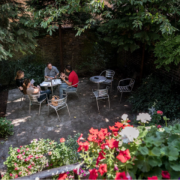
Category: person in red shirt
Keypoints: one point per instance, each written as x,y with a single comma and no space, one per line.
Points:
72,80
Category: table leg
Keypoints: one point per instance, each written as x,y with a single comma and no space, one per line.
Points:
52,90
98,85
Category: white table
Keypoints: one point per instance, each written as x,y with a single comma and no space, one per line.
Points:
51,83
98,79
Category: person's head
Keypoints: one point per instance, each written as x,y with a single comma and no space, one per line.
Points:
19,75
26,84
68,68
49,66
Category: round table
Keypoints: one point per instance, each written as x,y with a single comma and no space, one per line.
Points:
98,79
50,84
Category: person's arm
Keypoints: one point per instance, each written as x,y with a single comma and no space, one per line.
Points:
45,74
36,90
64,75
57,72
67,82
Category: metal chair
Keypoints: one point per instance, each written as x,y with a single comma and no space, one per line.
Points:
69,91
125,88
62,103
101,94
33,99
23,95
109,74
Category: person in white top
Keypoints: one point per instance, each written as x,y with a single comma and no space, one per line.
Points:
28,89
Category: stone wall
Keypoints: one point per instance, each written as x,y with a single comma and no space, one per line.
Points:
49,48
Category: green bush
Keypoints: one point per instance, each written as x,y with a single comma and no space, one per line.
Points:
33,69
6,128
158,93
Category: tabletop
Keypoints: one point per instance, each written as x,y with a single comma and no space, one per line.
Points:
55,82
98,79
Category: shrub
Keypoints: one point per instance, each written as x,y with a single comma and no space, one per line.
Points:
127,152
157,93
6,128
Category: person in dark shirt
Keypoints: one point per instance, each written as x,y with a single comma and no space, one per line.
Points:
20,80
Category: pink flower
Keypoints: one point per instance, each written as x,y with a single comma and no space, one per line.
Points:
116,167
20,173
27,149
20,146
15,168
15,164
41,156
159,126
117,150
33,163
10,174
37,157
160,112
49,153
30,167
23,153
18,150
16,175
47,165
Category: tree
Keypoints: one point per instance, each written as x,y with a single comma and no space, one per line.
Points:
51,14
134,24
14,35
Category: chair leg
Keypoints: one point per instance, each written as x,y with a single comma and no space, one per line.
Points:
68,110
109,102
39,108
48,110
29,108
121,96
97,104
57,115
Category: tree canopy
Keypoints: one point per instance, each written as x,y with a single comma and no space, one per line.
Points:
14,35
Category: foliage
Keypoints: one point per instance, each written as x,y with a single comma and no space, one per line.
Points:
6,128
158,93
14,35
167,51
32,158
137,153
65,153
28,64
49,14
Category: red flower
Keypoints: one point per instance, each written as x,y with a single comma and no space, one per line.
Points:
124,156
159,126
16,176
104,131
102,169
83,146
93,174
100,157
160,112
62,176
120,175
113,129
152,178
103,146
80,137
62,140
75,171
91,138
112,143
93,131
118,124
101,135
128,121
165,175
127,126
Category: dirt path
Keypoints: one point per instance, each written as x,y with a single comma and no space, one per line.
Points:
3,102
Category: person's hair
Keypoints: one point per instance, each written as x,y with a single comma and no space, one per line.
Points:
25,84
18,74
68,67
49,63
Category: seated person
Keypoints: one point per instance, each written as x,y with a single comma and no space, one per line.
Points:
19,80
30,90
50,72
73,79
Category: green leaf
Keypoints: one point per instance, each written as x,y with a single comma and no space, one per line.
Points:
156,151
155,161
144,150
175,166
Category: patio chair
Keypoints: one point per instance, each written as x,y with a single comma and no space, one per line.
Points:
125,88
109,74
62,103
101,94
33,99
69,91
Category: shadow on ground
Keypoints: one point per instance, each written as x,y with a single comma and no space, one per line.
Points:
84,115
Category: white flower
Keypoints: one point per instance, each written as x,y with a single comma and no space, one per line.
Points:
124,117
129,134
143,117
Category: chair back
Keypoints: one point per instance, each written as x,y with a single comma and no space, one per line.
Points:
34,98
69,90
60,102
131,83
108,73
102,92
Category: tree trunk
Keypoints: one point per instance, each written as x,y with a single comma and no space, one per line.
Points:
61,50
142,62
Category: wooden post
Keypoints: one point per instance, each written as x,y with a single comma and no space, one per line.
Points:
142,62
61,49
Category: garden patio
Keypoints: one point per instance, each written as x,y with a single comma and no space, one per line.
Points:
84,115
